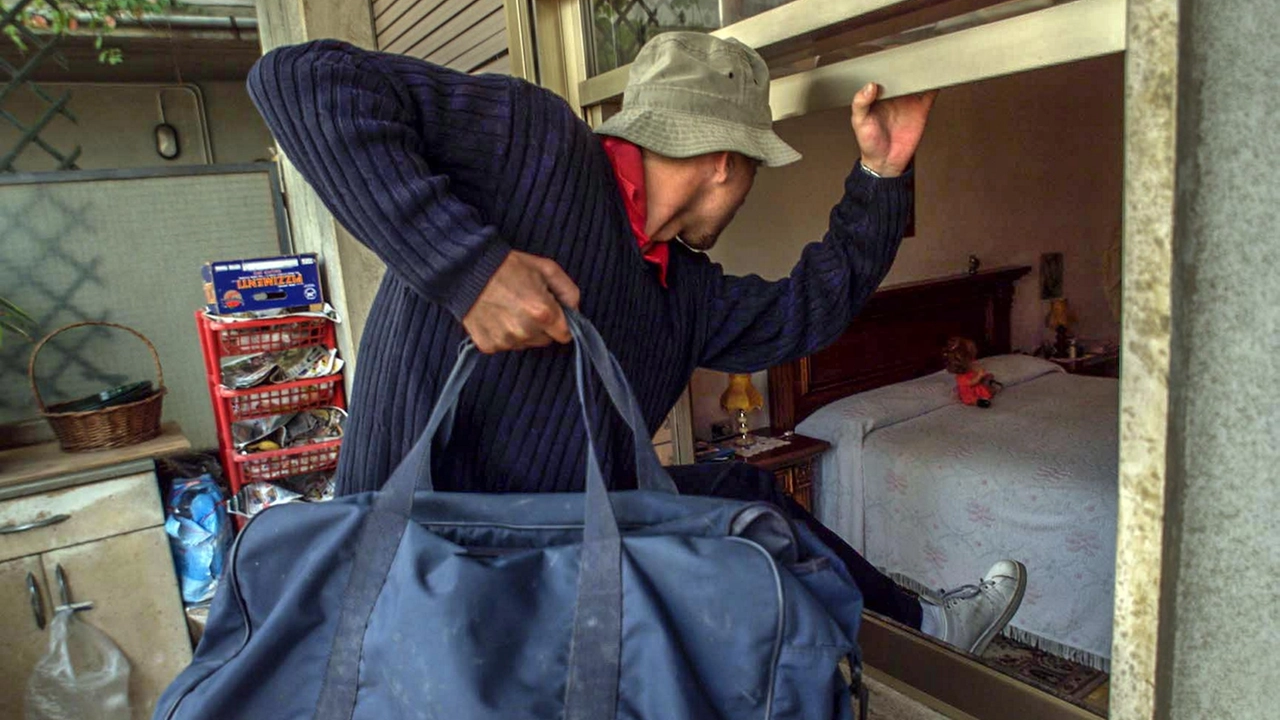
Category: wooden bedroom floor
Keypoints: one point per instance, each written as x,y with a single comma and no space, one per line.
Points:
1011,680
891,703
1099,700
1076,683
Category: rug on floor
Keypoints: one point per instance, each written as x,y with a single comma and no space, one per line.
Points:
1071,681
1068,680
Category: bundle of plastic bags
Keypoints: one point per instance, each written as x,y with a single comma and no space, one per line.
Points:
199,535
82,675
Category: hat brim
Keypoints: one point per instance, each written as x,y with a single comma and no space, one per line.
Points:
680,135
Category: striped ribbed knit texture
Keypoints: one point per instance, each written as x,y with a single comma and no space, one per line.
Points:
442,174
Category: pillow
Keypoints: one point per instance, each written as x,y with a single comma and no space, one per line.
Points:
890,404
1014,369
903,401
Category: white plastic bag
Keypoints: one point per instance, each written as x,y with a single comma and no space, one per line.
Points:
83,675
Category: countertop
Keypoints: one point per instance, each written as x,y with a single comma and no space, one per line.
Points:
35,464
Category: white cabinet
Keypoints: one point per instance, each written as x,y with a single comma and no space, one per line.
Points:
109,540
23,640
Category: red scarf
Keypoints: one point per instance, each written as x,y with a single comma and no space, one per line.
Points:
628,169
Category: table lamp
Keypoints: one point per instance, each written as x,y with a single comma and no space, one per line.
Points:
740,398
1060,319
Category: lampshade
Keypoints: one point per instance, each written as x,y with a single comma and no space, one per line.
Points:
741,395
1060,314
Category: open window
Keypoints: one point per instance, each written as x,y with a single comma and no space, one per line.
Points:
820,52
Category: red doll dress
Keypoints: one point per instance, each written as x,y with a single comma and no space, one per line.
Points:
971,390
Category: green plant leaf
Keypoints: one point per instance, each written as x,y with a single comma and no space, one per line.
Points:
60,17
8,308
16,37
13,319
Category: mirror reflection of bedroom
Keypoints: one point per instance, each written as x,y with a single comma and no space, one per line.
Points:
1015,247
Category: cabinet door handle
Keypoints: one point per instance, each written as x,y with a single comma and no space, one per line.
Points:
64,595
37,603
34,524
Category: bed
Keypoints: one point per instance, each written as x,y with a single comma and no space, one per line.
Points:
934,492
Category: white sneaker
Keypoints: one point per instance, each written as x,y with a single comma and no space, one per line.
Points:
974,614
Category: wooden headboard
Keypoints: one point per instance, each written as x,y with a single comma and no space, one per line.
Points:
898,336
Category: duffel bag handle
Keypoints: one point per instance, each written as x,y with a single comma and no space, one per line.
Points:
414,470
650,474
591,689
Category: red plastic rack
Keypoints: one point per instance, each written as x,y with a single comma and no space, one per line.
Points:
283,398
280,464
220,340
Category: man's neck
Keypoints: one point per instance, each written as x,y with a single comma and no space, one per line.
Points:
663,220
660,233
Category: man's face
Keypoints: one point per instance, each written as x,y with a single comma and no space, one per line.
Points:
719,202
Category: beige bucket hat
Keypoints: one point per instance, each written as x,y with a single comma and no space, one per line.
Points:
691,93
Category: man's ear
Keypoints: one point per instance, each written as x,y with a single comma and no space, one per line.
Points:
724,165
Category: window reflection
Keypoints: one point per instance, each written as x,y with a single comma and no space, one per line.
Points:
619,28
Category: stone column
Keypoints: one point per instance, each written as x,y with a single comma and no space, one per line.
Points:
352,272
1198,567
1222,610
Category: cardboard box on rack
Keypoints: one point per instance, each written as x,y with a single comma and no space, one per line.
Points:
237,286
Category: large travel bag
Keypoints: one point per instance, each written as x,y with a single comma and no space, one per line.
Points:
408,603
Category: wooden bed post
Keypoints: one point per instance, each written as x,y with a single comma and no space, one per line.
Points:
782,397
1001,320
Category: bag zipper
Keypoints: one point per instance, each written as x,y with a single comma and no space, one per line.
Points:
782,616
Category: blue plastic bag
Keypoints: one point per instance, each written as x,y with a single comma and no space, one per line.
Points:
199,535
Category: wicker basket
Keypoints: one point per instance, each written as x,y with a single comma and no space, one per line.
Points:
111,427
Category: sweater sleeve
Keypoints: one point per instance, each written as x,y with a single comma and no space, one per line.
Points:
376,155
753,324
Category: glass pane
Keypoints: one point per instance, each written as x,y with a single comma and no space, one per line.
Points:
619,28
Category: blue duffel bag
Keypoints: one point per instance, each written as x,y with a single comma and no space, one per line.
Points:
408,603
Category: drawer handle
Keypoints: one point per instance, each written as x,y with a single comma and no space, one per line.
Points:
34,525
37,604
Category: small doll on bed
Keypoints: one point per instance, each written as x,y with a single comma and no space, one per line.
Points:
975,385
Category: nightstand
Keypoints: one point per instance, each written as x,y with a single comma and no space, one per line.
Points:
791,464
1095,364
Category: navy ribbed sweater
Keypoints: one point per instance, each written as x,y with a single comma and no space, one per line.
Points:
442,174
